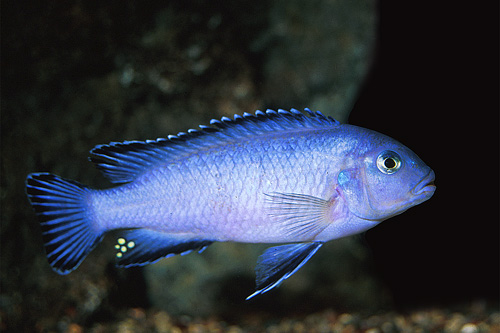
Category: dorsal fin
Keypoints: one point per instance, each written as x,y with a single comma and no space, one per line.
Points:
122,162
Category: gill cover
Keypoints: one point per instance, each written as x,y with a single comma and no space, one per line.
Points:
351,181
372,188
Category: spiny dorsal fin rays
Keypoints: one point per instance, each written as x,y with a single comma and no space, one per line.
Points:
122,162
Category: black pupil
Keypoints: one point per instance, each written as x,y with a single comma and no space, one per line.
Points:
389,163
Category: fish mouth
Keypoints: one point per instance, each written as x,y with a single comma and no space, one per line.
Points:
425,186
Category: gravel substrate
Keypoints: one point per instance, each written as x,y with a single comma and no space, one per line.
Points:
476,317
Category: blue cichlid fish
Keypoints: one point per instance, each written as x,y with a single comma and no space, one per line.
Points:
272,177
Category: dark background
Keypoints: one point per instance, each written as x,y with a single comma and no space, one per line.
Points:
433,86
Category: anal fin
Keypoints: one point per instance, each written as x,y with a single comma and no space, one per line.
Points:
140,247
278,263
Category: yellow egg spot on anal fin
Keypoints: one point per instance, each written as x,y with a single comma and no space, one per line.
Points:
121,241
119,255
131,244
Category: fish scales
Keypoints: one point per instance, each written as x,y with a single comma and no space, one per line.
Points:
273,177
230,199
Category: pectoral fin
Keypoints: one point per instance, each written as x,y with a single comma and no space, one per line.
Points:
278,263
303,216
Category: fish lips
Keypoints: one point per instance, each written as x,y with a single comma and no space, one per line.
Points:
425,187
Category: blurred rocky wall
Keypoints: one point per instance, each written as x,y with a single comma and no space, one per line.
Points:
81,73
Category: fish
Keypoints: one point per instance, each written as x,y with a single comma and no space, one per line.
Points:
292,178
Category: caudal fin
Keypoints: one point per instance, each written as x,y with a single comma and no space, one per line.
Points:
61,205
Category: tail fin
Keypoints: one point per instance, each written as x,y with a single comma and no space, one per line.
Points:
61,206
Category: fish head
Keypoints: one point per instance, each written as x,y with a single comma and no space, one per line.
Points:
385,181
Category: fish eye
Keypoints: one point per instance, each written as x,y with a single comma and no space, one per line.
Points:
388,162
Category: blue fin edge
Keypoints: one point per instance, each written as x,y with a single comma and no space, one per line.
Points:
278,263
122,162
67,230
138,247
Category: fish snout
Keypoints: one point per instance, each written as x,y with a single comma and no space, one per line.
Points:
425,186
